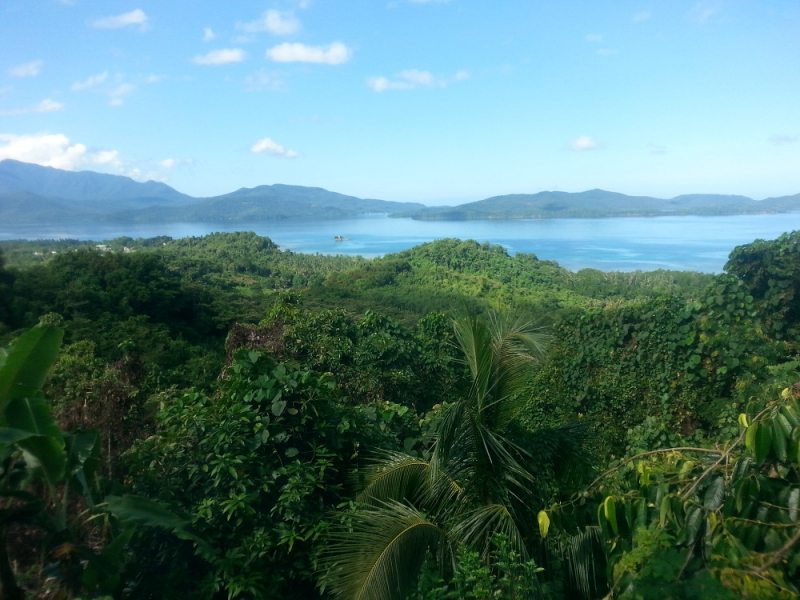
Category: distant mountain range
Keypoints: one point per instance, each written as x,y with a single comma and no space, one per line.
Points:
600,203
31,194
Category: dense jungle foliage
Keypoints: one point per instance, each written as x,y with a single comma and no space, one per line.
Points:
216,418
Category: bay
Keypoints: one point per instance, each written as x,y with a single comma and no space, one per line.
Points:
615,244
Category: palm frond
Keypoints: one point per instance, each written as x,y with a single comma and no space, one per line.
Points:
395,476
585,562
390,476
378,555
476,528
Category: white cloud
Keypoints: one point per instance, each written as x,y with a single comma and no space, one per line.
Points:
220,57
334,54
106,157
264,80
169,163
49,150
133,18
44,106
583,143
28,69
594,37
412,78
89,82
272,21
57,150
703,11
781,139
119,93
208,34
642,16
268,146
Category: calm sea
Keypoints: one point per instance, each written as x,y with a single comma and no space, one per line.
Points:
620,244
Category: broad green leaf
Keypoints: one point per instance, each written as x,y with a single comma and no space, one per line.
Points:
750,437
9,435
715,494
763,442
27,362
152,513
278,406
610,511
794,500
138,509
46,444
693,522
664,511
79,448
544,523
779,440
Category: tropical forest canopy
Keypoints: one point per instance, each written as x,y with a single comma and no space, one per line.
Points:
216,418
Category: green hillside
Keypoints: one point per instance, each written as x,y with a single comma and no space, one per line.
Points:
224,417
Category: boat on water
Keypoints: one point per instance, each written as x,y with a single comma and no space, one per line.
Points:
339,238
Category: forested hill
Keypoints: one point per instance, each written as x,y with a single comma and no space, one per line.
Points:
32,194
226,419
600,203
268,202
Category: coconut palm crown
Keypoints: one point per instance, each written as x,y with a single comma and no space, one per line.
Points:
485,475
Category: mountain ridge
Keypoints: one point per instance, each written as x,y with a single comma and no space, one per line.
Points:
31,194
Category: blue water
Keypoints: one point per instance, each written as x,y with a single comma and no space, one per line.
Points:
620,244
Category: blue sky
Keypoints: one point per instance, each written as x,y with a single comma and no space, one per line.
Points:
431,101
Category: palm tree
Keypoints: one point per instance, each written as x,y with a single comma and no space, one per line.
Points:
485,475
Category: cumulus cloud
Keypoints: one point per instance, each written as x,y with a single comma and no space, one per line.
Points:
272,21
268,146
130,19
208,34
89,82
57,150
105,157
412,78
782,139
642,16
334,54
119,93
49,150
28,69
44,106
220,57
583,143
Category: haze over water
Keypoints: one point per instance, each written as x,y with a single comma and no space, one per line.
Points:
619,244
